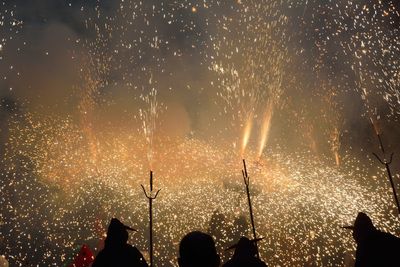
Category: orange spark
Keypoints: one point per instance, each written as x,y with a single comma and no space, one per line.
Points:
246,133
265,128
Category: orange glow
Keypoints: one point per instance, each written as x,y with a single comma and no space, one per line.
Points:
265,128
337,158
246,133
335,145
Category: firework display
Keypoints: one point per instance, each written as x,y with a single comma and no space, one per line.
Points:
94,96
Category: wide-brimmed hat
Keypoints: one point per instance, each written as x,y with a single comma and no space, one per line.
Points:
117,226
362,223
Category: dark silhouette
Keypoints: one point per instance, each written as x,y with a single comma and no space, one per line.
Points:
197,249
246,180
151,197
374,247
245,254
117,252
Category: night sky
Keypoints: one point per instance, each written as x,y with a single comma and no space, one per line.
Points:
94,94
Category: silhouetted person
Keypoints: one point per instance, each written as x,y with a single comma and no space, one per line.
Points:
117,252
197,249
245,255
374,248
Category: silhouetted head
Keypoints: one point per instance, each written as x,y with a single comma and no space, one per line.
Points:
245,248
197,249
117,233
363,227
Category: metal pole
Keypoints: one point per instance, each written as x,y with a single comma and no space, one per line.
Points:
389,173
150,197
380,143
151,219
393,187
247,183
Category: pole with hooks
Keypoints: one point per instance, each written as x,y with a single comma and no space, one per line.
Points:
246,179
387,166
150,197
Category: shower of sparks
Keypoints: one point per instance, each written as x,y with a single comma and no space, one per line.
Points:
332,120
285,72
366,39
300,203
149,118
10,27
250,69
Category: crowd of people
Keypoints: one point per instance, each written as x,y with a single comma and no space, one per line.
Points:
197,249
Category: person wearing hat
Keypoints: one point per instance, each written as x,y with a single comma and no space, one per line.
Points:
117,252
245,254
374,247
